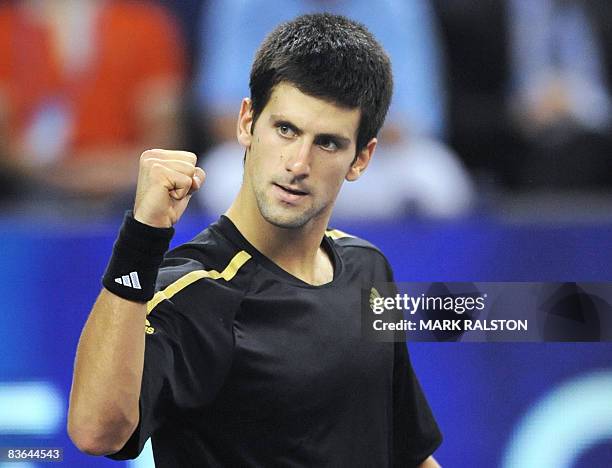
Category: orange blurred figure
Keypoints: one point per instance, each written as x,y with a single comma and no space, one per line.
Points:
85,87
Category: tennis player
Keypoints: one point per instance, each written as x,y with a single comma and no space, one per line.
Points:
242,347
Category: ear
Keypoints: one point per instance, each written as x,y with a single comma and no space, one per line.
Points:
245,121
361,161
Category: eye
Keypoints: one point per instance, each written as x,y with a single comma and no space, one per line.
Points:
285,130
328,144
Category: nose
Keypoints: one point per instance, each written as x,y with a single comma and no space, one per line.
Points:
299,162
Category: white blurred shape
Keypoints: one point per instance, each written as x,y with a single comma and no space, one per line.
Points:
33,408
145,459
565,423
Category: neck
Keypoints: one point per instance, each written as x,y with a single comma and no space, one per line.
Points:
296,250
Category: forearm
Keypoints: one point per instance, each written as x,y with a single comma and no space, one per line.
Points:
107,375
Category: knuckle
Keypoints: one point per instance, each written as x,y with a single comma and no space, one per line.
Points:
156,168
145,163
187,156
147,154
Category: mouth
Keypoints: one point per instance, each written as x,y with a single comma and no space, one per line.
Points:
288,194
293,191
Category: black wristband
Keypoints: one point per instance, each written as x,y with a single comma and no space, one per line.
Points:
137,254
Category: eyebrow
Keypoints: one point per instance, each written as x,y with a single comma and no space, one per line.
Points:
341,140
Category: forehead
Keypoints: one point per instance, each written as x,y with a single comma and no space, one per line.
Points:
311,114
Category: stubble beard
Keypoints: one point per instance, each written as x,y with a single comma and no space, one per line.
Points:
284,217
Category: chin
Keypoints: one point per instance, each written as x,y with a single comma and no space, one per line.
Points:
286,221
286,218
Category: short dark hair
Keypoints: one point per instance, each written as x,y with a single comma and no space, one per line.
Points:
329,57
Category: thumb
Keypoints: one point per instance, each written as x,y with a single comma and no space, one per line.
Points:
197,180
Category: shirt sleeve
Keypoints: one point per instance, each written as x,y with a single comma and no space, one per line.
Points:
188,352
415,432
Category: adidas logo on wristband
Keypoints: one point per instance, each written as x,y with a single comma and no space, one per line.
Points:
140,249
131,280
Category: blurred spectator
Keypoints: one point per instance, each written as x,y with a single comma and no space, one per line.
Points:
411,169
187,14
85,87
529,101
474,35
559,96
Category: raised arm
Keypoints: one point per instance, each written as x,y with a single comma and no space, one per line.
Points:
105,392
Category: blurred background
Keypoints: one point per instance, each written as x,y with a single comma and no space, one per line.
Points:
494,165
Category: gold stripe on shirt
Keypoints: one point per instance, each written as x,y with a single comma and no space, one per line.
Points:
227,274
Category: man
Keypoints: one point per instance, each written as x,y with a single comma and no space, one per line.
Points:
253,351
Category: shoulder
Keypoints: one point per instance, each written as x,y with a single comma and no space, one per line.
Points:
360,254
350,243
208,264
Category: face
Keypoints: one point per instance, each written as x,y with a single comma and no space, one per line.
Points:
301,150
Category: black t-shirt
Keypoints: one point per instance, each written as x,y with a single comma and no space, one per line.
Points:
246,365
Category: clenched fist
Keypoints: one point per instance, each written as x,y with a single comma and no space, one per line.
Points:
166,181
